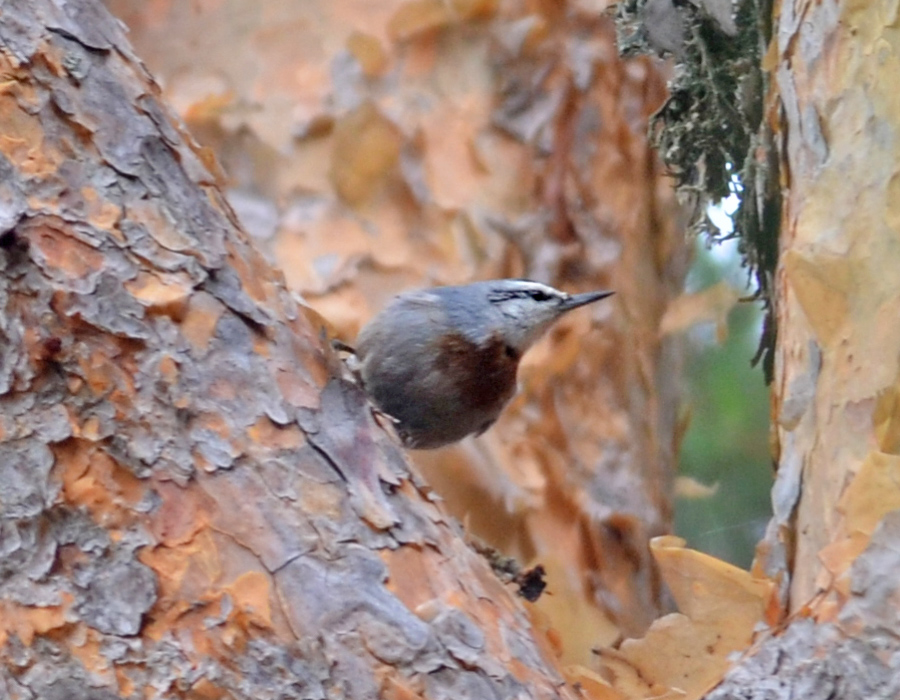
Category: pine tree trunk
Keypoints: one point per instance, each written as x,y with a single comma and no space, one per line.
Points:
833,539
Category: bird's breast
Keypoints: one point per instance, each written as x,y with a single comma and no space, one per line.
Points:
482,374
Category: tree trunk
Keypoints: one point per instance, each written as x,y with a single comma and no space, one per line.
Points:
833,539
194,503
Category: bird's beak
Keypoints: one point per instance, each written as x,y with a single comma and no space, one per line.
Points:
576,300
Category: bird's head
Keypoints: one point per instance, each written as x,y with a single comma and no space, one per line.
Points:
527,309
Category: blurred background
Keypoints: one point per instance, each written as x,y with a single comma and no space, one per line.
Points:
374,147
723,505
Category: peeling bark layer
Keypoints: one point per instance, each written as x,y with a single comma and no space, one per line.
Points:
839,294
193,504
833,540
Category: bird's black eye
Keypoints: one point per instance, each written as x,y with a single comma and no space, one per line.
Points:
539,295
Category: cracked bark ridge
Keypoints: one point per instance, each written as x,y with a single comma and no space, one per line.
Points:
856,656
192,505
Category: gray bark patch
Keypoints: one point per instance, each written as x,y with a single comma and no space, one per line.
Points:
24,469
117,596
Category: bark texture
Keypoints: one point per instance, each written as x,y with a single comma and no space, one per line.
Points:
833,541
193,503
837,376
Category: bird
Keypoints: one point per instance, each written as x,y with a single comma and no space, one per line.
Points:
441,362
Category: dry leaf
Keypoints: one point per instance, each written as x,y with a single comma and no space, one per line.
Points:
721,605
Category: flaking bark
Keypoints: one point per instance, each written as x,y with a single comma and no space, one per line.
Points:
832,542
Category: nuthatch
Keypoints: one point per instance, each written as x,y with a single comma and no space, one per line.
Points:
442,361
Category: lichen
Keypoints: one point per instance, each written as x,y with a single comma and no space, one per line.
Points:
711,133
